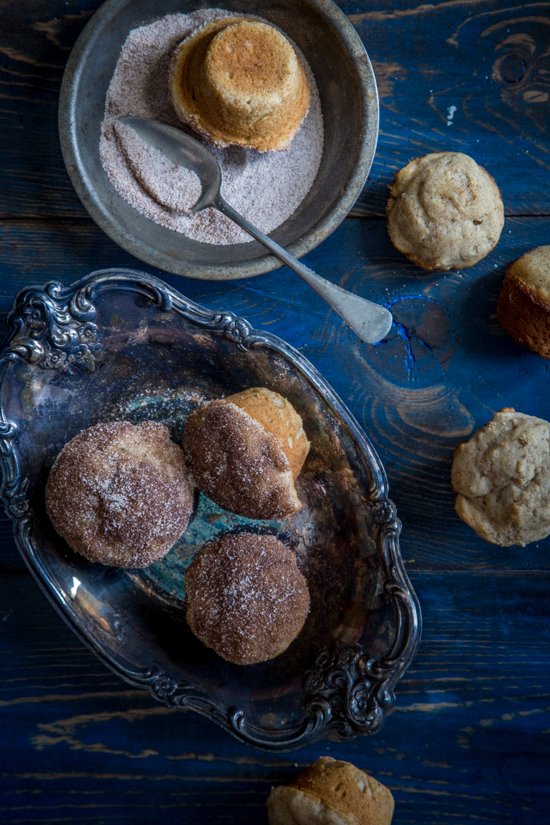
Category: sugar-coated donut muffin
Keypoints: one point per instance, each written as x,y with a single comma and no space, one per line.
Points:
247,450
330,792
501,478
120,493
524,304
239,81
245,597
445,211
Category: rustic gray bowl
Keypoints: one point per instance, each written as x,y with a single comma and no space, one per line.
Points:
349,102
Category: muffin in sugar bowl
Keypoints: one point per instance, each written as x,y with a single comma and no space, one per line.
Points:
239,81
244,90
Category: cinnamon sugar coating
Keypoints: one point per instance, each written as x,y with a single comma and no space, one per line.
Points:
246,598
238,462
120,493
278,417
266,189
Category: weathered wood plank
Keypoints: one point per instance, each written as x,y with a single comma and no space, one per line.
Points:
469,77
462,76
467,740
469,737
444,369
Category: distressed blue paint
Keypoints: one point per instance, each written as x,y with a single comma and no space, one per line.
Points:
465,740
427,59
404,333
469,738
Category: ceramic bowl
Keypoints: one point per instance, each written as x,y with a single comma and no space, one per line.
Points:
349,103
123,345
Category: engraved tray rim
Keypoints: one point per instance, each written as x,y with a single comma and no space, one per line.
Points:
346,692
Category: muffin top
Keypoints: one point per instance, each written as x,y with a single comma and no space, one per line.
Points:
246,598
331,791
445,211
238,463
502,479
239,81
120,493
533,268
253,60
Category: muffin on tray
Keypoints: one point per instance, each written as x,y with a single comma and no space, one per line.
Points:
524,304
501,478
120,493
331,792
239,81
247,451
246,598
445,211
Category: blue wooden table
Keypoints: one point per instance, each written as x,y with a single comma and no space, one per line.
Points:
469,738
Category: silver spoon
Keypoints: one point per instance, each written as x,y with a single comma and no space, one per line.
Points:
371,322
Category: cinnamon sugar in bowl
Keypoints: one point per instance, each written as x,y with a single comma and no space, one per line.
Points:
349,104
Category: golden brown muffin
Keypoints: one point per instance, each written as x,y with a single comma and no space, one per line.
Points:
277,416
239,81
501,478
445,211
330,792
246,598
120,493
247,450
524,304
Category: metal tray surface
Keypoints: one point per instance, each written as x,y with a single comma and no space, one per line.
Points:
349,100
120,344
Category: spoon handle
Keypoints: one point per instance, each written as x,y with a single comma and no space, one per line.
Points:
370,321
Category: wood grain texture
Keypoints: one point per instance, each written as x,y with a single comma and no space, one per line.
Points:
468,76
468,740
462,76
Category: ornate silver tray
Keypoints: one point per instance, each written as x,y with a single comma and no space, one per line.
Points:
122,344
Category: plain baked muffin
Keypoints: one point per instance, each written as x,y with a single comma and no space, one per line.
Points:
330,792
247,450
120,493
445,211
524,304
239,81
246,598
502,479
